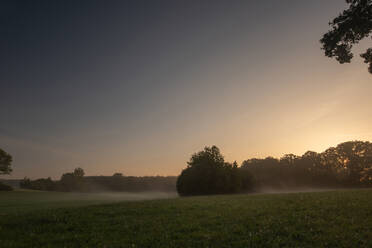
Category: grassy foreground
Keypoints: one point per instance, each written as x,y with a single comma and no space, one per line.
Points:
22,201
322,219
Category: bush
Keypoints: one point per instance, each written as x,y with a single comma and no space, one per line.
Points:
5,187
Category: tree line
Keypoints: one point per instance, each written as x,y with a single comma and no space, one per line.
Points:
76,182
347,165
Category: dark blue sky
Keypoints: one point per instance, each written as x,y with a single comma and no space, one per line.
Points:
137,86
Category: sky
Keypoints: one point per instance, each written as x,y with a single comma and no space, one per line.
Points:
138,86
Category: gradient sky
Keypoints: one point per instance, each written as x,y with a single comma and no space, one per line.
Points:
138,86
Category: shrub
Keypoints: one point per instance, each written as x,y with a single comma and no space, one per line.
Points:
5,187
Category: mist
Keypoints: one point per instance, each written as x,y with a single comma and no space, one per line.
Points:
115,196
271,190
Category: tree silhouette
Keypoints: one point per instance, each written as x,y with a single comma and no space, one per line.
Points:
76,181
349,164
351,26
79,172
72,181
5,163
208,173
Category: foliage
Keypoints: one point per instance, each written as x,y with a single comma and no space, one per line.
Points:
208,173
5,187
120,183
79,173
347,165
72,181
39,184
5,163
324,219
77,182
351,26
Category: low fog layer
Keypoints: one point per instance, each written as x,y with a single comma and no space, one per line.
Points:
20,201
115,196
269,190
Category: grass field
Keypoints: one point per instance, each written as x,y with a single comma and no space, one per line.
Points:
22,201
321,219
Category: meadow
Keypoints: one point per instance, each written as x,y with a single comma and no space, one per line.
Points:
21,201
316,219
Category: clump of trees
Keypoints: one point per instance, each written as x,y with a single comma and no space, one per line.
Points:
208,173
347,165
121,183
5,187
45,184
5,168
72,181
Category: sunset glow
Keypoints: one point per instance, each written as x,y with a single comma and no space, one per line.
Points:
154,91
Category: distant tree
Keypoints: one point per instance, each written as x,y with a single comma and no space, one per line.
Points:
351,26
310,159
354,160
289,159
79,172
5,163
266,172
25,183
5,187
235,177
46,184
347,165
247,180
68,182
72,181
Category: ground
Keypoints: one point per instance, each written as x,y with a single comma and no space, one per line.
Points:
319,219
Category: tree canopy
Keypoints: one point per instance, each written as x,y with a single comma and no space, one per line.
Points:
208,173
5,163
76,181
347,165
350,27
